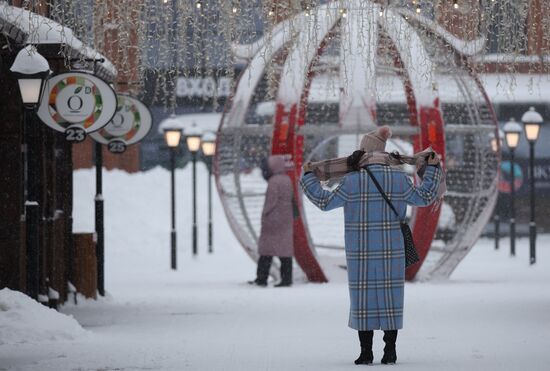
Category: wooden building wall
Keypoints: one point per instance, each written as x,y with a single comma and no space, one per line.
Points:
12,253
54,180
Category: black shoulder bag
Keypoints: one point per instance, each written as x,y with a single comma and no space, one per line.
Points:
411,255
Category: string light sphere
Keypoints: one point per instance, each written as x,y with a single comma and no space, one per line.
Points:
329,92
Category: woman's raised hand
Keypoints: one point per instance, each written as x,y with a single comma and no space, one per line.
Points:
307,167
433,159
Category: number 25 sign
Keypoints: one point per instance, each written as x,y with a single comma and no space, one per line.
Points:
130,124
77,104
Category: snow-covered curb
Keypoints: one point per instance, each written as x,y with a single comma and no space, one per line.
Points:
23,320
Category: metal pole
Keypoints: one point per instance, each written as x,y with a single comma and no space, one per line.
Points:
99,219
99,211
532,224
173,237
32,209
194,203
173,232
210,248
513,207
496,218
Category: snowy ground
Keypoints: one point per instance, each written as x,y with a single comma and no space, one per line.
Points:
494,313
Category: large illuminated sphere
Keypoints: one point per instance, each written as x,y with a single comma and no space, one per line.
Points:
317,82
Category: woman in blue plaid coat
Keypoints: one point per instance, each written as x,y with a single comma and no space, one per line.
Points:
373,239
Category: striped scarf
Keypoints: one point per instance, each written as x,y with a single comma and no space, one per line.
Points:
337,168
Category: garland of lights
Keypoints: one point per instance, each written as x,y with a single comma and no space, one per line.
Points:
171,34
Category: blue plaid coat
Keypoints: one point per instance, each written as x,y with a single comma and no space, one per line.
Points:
373,239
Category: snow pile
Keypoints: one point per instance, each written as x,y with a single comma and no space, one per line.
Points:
23,320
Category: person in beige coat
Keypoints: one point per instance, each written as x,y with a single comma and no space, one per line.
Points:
276,235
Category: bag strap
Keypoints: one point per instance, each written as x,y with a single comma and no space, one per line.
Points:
383,193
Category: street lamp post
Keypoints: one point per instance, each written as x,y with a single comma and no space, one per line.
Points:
496,145
512,132
193,139
532,121
99,218
172,138
208,147
31,70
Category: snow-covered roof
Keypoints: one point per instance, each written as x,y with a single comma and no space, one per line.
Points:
30,28
203,121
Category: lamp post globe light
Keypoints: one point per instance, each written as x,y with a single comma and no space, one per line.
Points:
512,132
172,137
31,70
532,121
208,146
193,139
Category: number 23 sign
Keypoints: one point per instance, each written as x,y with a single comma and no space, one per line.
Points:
77,104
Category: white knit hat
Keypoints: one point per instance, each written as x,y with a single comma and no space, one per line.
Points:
375,141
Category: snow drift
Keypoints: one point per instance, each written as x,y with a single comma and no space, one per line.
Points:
23,320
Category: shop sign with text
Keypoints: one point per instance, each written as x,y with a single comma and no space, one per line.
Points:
130,124
77,104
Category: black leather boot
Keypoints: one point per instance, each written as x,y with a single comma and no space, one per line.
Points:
258,283
262,273
366,357
390,356
286,272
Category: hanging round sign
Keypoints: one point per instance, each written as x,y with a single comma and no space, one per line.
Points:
77,103
130,124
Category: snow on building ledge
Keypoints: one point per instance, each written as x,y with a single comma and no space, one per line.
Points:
205,122
26,27
510,58
516,88
501,89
